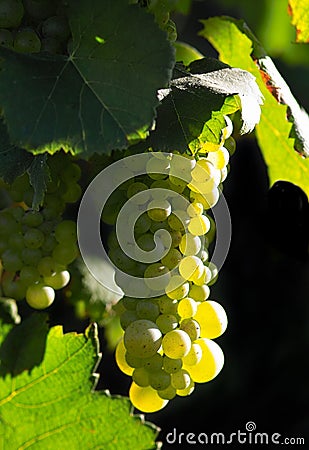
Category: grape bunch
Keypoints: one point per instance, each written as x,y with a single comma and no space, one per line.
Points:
37,246
168,320
32,26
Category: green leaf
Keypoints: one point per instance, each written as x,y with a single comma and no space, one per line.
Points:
54,406
94,99
231,39
299,10
24,346
192,110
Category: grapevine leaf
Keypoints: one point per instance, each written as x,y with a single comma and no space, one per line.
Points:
24,346
9,311
198,96
91,101
236,46
14,160
54,406
299,10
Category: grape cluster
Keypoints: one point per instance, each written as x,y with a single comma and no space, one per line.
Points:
168,344
32,26
37,246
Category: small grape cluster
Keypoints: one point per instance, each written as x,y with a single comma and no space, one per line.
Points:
167,345
32,26
37,246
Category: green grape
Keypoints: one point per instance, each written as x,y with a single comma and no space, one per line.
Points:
195,209
214,273
40,9
187,307
72,193
177,288
17,212
181,379
166,323
138,188
49,244
159,379
11,260
199,293
182,166
58,280
141,377
187,391
228,130
146,399
127,317
199,225
145,309
8,224
47,266
204,278
16,242
130,303
31,256
157,168
194,356
39,296
157,276
190,245
53,46
176,344
171,259
32,218
168,393
142,224
159,210
11,13
230,145
167,305
146,242
204,171
191,268
33,238
133,361
27,41
211,362
120,356
212,319
156,226
154,363
14,289
142,338
178,220
171,365
191,327
54,203
56,27
65,255
6,37
29,275
220,158
66,231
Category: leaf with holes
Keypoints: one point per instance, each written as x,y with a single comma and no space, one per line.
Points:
103,93
52,404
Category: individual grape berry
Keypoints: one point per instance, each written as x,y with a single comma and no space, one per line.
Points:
181,379
191,327
145,309
56,27
211,362
33,238
171,365
146,399
11,13
141,377
58,280
212,319
166,322
153,363
142,338
133,361
39,296
128,317
159,379
27,41
194,356
168,393
120,356
66,231
176,344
